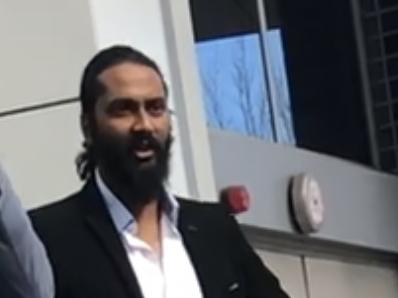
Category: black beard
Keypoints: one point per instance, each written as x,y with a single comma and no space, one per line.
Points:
134,182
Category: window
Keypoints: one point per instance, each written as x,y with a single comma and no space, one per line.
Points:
240,93
378,25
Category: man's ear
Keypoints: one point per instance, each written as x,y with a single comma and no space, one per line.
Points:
86,129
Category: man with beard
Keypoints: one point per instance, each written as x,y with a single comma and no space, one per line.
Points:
124,235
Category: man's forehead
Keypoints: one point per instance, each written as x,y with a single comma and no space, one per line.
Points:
127,73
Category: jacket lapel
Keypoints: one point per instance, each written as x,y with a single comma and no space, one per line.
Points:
100,222
200,252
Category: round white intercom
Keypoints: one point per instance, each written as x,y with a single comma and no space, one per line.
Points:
307,203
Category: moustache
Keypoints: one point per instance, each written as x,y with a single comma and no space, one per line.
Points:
144,141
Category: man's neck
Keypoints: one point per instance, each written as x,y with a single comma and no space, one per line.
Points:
148,225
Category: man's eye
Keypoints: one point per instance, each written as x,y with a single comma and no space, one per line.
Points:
156,108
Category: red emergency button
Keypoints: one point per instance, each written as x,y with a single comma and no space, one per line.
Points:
236,198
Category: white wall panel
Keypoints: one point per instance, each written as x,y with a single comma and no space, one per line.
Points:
44,45
38,151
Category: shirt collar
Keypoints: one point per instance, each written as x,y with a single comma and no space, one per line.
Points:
121,216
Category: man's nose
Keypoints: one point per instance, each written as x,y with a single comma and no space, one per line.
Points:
143,121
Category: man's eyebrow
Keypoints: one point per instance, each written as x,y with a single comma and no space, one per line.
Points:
131,103
124,100
163,98
121,102
136,100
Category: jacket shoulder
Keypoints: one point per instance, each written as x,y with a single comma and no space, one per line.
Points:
213,208
55,214
213,214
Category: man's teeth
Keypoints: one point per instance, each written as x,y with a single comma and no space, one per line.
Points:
144,153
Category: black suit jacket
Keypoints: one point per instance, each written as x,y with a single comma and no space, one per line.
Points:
89,259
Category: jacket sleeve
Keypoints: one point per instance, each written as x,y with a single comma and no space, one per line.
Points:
260,282
24,268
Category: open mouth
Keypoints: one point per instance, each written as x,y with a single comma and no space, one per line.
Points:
144,149
144,154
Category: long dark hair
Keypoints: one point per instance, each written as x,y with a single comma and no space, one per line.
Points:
91,88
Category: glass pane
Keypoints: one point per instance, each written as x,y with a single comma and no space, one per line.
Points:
379,92
385,137
233,83
388,160
395,112
376,71
394,89
387,3
371,26
382,115
367,5
390,20
282,109
391,44
392,66
373,48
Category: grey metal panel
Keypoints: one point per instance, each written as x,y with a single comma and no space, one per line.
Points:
329,279
289,271
361,204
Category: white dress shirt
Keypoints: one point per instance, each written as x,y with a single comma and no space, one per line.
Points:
165,274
